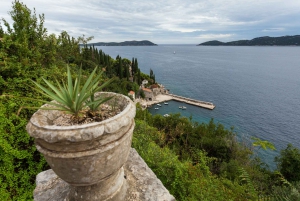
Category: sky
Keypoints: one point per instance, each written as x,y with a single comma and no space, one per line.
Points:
166,21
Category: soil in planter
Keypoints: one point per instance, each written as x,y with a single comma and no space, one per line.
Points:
86,116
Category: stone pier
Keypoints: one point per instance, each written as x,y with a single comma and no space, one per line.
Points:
203,104
160,98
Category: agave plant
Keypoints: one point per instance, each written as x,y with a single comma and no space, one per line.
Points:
73,97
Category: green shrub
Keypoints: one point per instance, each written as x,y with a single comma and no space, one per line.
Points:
20,162
184,180
289,163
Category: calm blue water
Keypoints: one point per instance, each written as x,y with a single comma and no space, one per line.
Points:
255,89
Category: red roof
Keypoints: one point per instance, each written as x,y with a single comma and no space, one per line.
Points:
145,89
154,86
131,92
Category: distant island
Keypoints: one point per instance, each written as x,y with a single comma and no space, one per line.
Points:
260,41
125,43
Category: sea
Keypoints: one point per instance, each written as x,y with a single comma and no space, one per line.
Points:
255,89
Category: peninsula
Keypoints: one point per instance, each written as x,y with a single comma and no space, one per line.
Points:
260,41
125,43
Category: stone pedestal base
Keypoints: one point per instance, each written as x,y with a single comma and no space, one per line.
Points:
101,191
140,183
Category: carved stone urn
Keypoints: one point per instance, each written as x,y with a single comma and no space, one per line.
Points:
89,157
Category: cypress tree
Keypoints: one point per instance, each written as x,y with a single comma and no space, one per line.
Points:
127,72
91,53
136,66
151,73
101,57
104,59
132,67
139,78
96,56
120,68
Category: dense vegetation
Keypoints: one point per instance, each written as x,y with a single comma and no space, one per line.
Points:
198,161
125,43
260,41
195,161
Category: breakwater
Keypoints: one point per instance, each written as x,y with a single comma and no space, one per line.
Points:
207,105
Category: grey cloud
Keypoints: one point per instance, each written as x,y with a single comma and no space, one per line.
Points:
168,21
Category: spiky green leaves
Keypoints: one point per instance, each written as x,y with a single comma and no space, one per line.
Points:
72,97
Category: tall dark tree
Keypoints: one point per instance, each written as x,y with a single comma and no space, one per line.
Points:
132,67
127,72
152,76
139,78
104,59
136,66
1,32
120,68
101,59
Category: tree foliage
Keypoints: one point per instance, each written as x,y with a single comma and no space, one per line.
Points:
288,163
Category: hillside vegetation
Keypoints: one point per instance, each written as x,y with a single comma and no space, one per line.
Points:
125,43
195,161
260,41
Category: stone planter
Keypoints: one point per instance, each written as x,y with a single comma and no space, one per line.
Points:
89,157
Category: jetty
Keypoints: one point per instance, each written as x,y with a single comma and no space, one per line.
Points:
160,98
203,104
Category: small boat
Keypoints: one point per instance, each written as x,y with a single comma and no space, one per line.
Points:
166,115
166,103
158,105
174,52
184,108
180,107
156,108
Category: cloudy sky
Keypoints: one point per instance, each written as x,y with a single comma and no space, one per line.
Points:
167,21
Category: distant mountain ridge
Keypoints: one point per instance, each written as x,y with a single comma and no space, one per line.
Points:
125,43
260,41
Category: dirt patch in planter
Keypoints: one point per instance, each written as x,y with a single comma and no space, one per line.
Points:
86,116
